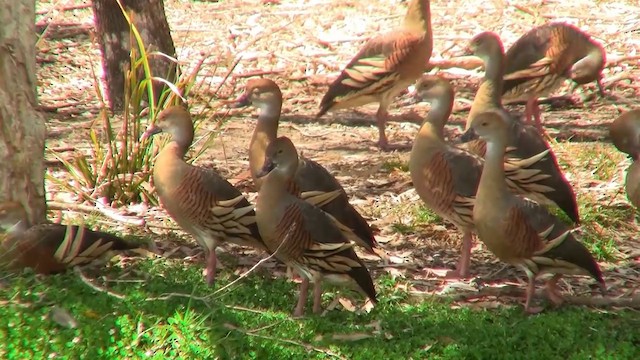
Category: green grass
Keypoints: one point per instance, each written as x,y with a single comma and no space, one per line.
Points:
412,217
252,321
395,164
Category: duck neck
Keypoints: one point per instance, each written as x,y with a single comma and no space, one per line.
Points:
274,188
492,182
265,132
418,16
489,95
433,125
181,140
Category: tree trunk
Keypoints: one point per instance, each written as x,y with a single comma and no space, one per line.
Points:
22,128
115,42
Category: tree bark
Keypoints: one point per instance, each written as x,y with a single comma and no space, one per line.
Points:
22,128
113,33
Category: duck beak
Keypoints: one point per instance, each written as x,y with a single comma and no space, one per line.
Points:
151,130
266,168
241,101
468,135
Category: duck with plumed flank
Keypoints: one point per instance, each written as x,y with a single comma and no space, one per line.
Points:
384,67
521,232
542,59
51,248
302,235
312,181
199,200
524,141
446,177
625,134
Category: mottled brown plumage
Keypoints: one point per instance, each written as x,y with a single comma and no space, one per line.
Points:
543,58
632,183
202,202
50,248
312,181
446,177
625,134
518,231
524,141
302,235
385,66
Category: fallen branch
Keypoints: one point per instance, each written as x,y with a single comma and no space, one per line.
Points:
462,62
55,108
614,60
64,8
108,212
257,73
306,346
167,296
62,31
246,273
96,287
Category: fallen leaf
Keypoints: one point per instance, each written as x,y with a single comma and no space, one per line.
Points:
63,318
347,304
428,347
351,337
368,306
437,272
394,272
332,305
375,325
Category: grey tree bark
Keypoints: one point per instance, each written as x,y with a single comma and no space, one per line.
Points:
22,128
113,34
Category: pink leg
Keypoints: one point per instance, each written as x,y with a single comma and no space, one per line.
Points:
532,110
527,112
317,296
531,290
381,118
302,297
538,118
211,267
462,269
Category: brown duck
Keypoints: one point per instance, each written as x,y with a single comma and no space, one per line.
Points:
521,232
625,134
446,177
524,141
302,235
543,58
50,248
199,200
385,66
312,182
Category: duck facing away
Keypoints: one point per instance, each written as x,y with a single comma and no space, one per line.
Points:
302,235
521,232
50,248
625,134
312,181
524,141
543,58
199,200
446,177
384,67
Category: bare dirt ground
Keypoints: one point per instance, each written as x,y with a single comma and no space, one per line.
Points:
303,45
